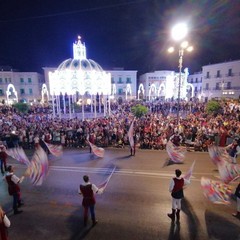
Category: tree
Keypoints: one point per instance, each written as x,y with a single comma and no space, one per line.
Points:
21,107
139,110
213,107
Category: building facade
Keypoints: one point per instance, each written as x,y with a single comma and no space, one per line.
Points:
163,85
123,84
20,86
221,80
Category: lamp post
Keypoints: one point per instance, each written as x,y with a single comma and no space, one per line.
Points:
179,32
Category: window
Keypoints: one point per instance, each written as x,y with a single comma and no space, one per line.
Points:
207,86
217,86
120,80
21,80
120,91
10,80
112,80
30,91
22,91
129,80
195,89
208,75
229,85
218,73
196,80
1,92
29,80
229,72
1,80
6,80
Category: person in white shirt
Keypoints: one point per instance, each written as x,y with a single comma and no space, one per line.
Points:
13,188
176,190
88,190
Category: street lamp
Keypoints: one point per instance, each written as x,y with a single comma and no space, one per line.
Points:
178,33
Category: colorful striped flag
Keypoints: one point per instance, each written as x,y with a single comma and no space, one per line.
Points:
216,192
218,154
38,167
176,154
55,150
98,151
228,171
18,154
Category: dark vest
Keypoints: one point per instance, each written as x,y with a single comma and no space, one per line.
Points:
88,195
177,191
12,187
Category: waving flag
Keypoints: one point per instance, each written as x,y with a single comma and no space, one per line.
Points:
18,154
55,150
103,185
130,135
218,154
176,154
216,192
228,171
188,175
38,167
98,151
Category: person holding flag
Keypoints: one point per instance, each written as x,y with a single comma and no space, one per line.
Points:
176,189
87,190
13,188
237,194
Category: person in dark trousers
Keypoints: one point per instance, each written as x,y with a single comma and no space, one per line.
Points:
176,189
13,188
237,194
133,149
3,158
88,191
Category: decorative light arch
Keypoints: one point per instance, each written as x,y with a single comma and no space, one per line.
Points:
153,89
8,92
128,90
140,89
44,93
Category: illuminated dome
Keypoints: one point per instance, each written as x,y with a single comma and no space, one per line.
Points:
80,65
79,75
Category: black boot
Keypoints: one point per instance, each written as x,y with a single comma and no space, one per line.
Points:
237,214
172,215
85,220
94,222
178,215
16,211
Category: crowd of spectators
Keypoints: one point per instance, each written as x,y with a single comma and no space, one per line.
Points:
196,128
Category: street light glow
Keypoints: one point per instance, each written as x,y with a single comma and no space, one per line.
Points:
171,49
190,49
184,44
179,31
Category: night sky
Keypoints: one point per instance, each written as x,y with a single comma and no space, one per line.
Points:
133,34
